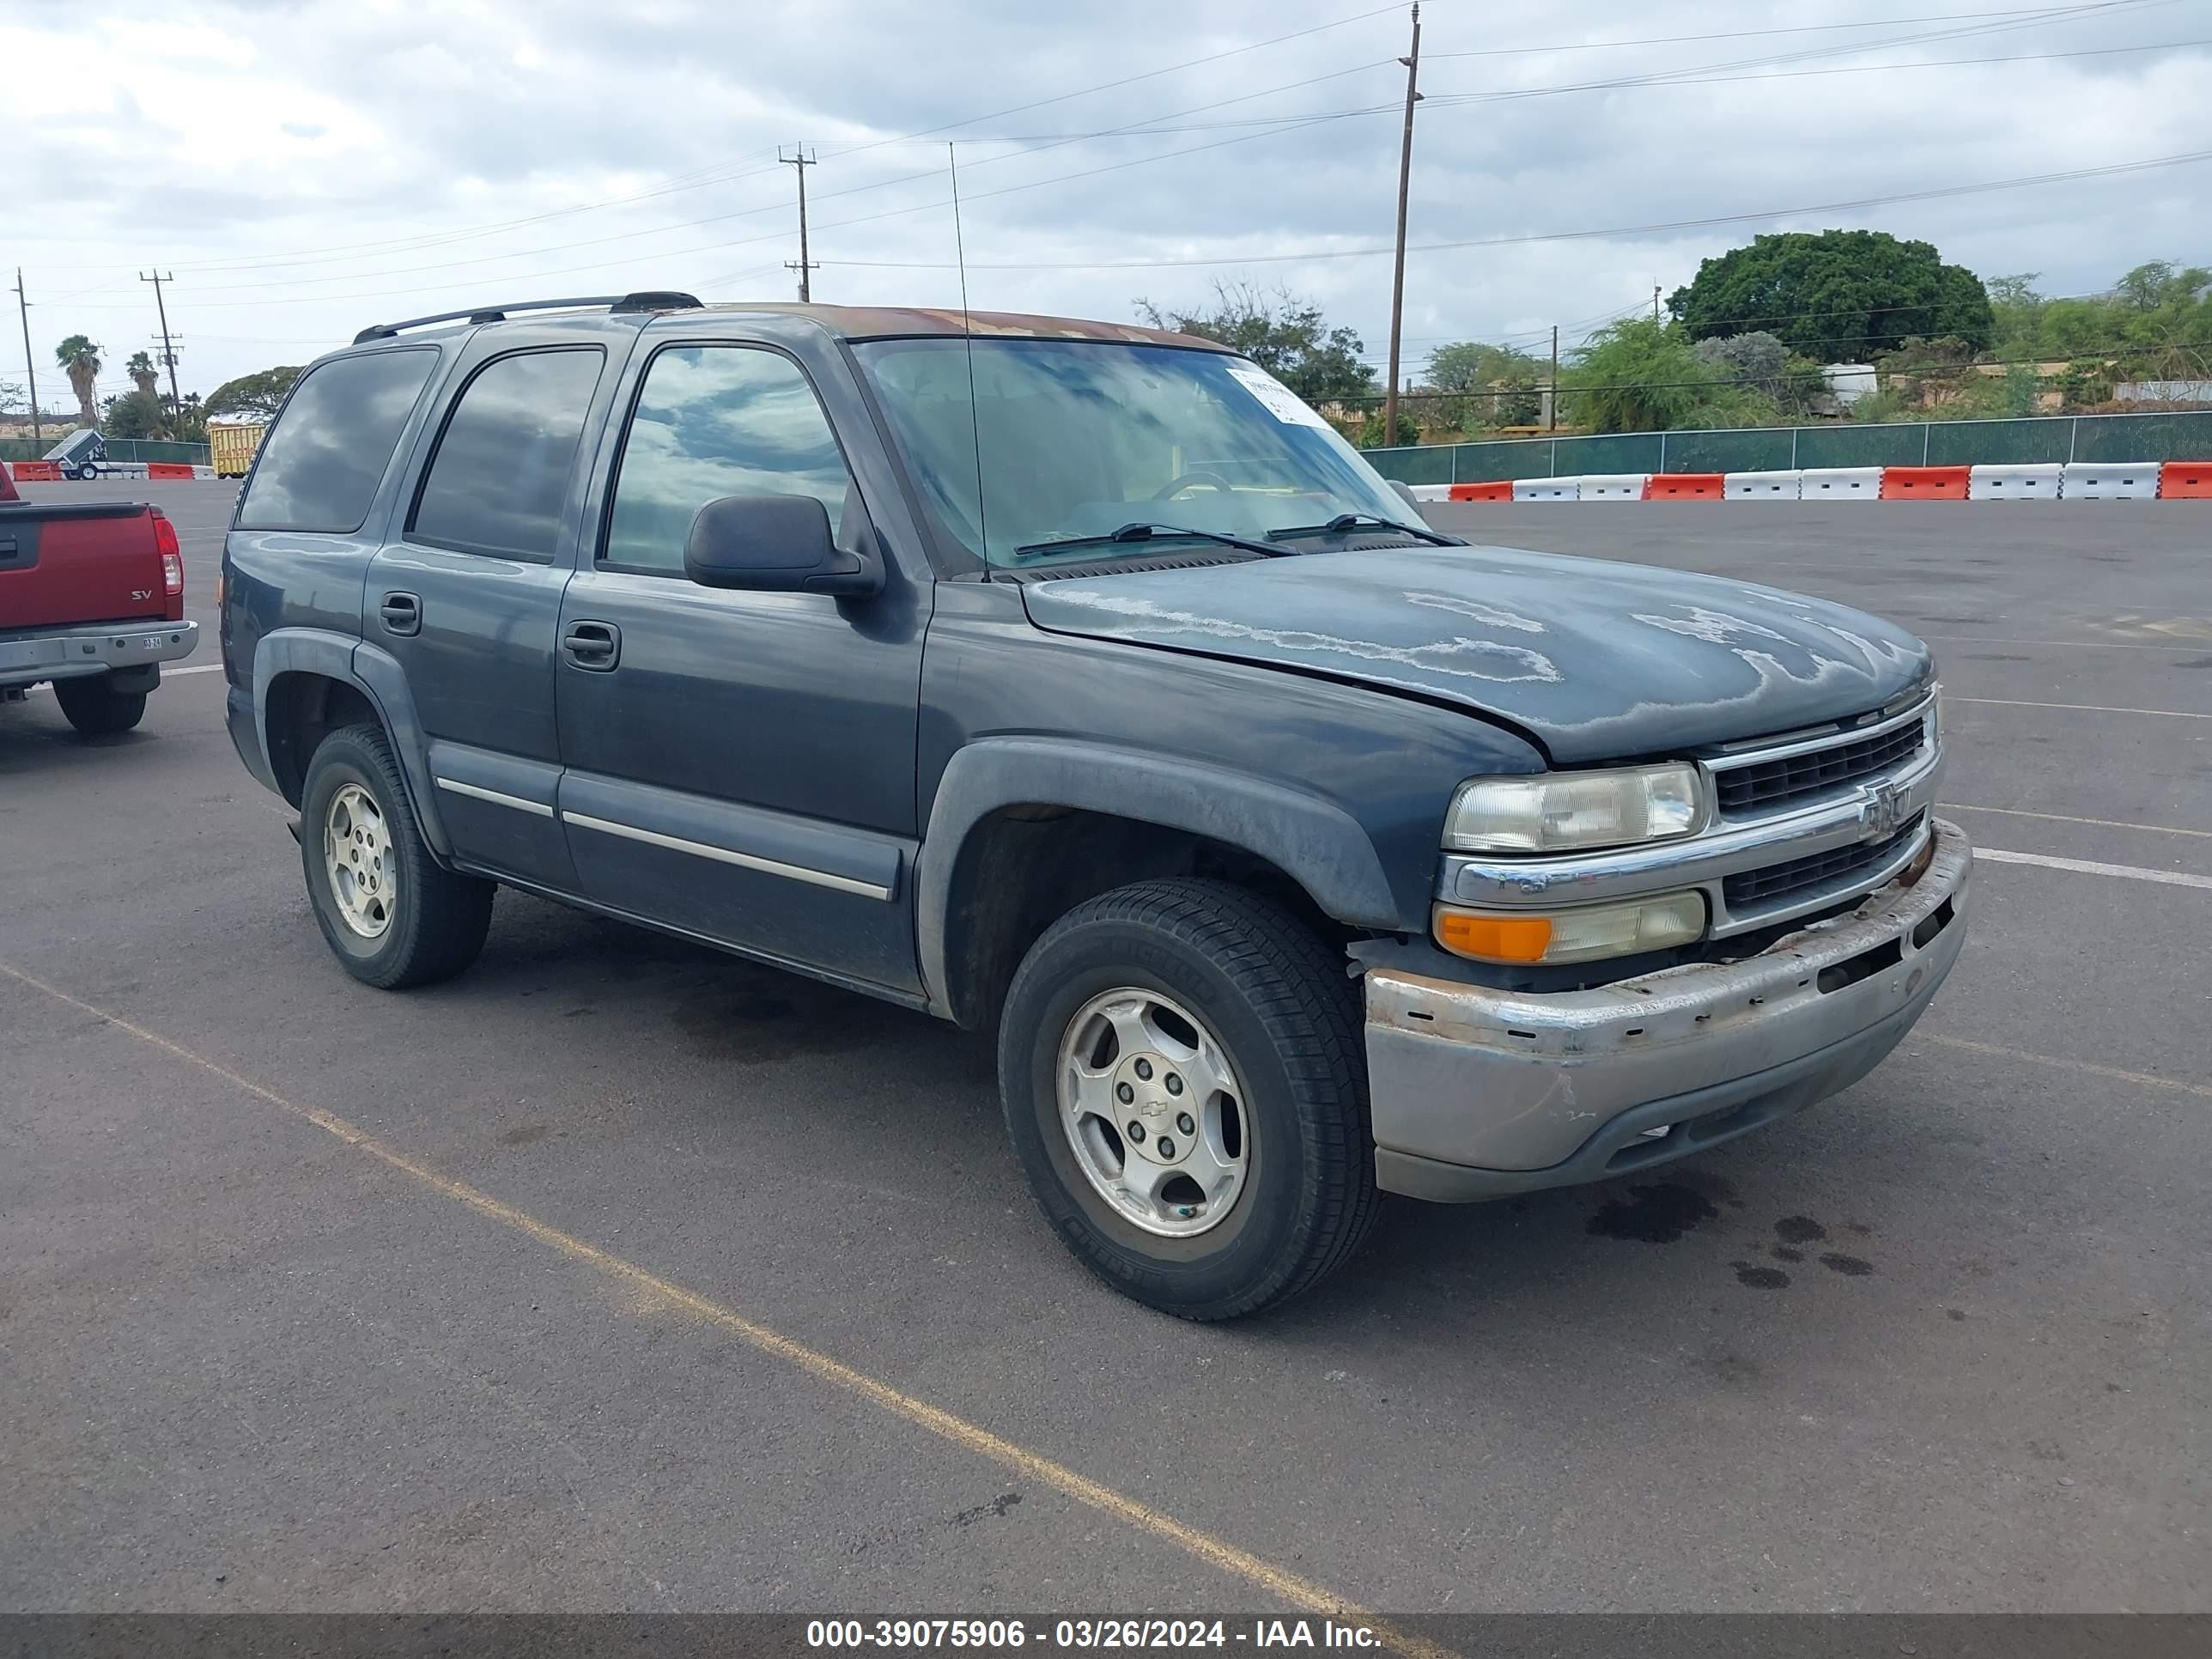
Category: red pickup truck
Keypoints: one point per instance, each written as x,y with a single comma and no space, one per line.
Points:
91,598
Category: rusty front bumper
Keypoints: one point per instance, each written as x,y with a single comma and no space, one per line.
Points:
1479,1093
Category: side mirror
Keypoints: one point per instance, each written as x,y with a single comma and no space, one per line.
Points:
1405,494
773,544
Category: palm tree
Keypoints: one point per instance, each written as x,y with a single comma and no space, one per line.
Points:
80,358
141,371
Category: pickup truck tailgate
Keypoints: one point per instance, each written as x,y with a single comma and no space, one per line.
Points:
71,561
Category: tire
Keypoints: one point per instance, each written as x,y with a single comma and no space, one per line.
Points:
1278,1007
92,704
402,919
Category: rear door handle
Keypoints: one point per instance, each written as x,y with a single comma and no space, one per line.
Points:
400,613
593,645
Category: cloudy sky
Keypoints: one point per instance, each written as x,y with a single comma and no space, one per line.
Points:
308,168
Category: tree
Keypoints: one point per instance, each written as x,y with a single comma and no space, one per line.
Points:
1372,435
1499,387
80,358
140,369
1638,375
1284,334
11,398
189,423
136,415
255,396
1760,361
1838,297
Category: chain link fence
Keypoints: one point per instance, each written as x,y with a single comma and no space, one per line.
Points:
2184,436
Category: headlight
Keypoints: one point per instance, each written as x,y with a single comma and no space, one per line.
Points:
1580,935
1572,811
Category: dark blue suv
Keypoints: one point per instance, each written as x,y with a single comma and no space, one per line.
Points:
1079,680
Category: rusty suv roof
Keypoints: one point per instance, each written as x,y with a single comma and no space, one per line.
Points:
885,322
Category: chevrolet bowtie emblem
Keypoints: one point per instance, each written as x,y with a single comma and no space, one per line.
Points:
1878,816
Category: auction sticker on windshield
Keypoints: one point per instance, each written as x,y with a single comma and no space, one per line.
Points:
1284,404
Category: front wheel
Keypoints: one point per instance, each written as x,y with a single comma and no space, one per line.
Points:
1180,1065
390,913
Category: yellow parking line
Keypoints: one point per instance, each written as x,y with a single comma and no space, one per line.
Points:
2085,707
2149,1080
2061,817
1300,1593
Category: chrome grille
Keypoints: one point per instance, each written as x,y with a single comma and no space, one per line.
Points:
1762,786
1749,888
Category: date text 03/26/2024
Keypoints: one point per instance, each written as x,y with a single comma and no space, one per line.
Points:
1124,1634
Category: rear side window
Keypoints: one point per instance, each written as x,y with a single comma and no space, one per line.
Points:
500,474
320,466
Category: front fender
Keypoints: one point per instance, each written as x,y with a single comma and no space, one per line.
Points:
1312,839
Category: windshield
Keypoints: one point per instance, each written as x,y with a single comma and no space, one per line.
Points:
1077,439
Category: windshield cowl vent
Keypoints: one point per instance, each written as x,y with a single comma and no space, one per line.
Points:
1116,567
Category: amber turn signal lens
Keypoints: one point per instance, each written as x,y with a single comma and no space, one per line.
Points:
1495,938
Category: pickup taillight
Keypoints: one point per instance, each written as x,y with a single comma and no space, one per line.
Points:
173,554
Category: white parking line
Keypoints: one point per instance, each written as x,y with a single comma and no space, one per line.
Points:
2085,707
2086,645
2062,818
2091,867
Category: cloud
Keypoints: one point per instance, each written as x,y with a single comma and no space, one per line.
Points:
312,166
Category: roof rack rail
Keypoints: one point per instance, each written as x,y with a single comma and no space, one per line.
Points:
648,299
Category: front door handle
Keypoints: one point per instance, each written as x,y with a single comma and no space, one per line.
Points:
400,613
593,645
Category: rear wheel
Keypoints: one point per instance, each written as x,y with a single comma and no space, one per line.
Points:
1180,1066
92,705
390,913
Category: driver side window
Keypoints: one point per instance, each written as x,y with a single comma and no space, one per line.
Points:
715,421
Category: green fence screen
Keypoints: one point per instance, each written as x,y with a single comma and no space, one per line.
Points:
2182,436
119,449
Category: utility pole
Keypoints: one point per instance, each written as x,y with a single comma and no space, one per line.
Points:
1552,398
22,304
1412,63
168,349
799,158
1655,303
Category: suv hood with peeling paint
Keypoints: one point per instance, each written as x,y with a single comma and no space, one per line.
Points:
1597,660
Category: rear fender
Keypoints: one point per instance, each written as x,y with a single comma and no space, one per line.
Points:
377,675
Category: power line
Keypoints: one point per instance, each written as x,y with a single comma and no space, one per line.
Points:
2111,170
1744,35
2031,19
404,245
1285,123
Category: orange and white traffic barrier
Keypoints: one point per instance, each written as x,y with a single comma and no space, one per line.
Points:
2015,483
2107,481
2185,481
2079,481
1762,486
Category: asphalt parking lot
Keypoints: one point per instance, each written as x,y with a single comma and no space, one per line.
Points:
620,1274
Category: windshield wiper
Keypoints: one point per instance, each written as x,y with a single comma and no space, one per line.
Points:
1144,531
1344,524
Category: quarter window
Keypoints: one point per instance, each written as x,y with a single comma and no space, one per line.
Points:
320,466
715,421
500,476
